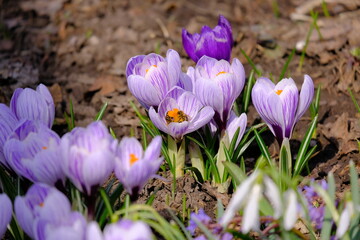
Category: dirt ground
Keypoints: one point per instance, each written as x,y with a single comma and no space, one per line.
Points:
79,49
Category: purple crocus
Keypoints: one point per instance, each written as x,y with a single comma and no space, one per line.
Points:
32,151
88,155
34,105
40,201
180,113
280,105
150,77
217,84
316,205
233,124
201,216
215,43
124,229
5,213
133,166
8,122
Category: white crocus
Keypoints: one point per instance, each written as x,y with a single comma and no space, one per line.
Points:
273,194
345,217
251,211
291,211
238,199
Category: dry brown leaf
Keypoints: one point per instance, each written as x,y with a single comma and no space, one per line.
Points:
56,93
107,84
344,129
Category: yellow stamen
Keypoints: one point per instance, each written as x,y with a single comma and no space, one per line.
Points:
41,204
44,147
133,159
150,67
175,115
278,92
222,72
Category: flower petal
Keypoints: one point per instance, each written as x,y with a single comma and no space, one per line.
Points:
306,96
132,63
143,90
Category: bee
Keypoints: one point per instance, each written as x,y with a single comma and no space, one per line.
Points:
175,116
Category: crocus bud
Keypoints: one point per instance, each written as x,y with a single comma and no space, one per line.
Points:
40,201
32,151
88,155
150,77
180,113
133,166
280,105
217,84
8,122
215,43
33,105
5,213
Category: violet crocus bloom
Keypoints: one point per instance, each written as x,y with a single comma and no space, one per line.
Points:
217,84
150,77
8,122
215,43
124,229
180,113
34,105
88,155
40,201
133,166
5,213
232,126
32,151
280,105
316,205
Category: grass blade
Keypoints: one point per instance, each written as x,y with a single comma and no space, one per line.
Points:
327,223
235,172
258,72
283,71
263,148
101,113
247,92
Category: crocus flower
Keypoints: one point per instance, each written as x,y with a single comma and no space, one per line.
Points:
33,105
88,155
150,77
5,213
217,84
315,204
70,226
40,201
8,122
133,166
232,126
280,105
215,43
124,229
32,151
201,216
180,113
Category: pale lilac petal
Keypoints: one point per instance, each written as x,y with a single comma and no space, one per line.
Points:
24,216
127,230
153,150
153,59
177,130
93,232
143,90
209,94
239,71
233,124
204,66
5,213
203,117
289,99
159,78
185,82
166,105
189,104
306,96
174,66
132,63
157,121
219,67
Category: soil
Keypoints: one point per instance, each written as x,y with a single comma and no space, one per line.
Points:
79,49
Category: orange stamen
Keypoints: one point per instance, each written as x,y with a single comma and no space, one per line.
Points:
150,67
278,92
175,115
222,72
41,204
44,147
133,159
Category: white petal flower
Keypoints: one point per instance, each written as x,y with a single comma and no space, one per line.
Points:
291,211
251,212
273,194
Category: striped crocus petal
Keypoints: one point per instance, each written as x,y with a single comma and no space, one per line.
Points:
34,105
127,230
306,96
233,124
8,122
5,213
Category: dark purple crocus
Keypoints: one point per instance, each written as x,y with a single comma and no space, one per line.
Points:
133,166
33,105
32,151
281,105
217,84
5,213
88,155
215,43
8,122
40,201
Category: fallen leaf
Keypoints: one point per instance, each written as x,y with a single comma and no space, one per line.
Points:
107,84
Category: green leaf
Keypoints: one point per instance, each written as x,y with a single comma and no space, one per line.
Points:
286,65
328,222
247,92
196,172
263,148
258,72
101,113
235,172
285,158
301,157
